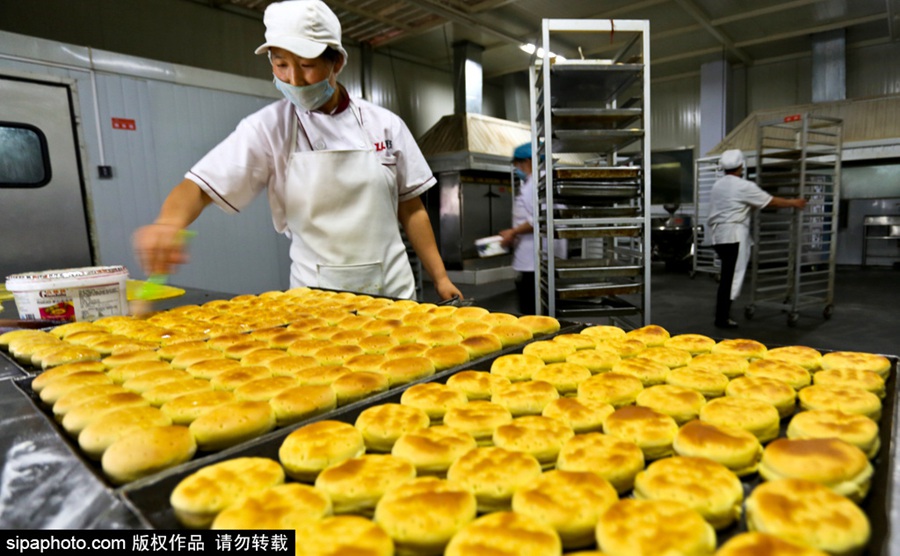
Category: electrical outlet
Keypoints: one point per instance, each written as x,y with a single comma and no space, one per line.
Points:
104,172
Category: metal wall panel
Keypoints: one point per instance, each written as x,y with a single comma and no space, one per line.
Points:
782,83
675,113
873,70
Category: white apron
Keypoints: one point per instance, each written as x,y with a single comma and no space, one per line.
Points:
341,209
743,258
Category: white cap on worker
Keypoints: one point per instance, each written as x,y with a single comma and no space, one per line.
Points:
731,159
303,27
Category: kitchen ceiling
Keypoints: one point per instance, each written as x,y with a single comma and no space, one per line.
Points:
684,33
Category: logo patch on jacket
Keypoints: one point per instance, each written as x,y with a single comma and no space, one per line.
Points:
382,145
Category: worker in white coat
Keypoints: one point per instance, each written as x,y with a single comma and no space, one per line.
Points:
338,171
731,200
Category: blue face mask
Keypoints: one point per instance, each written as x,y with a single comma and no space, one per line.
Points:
308,97
520,174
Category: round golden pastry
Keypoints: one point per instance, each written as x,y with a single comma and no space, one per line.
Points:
614,459
285,506
837,464
336,354
857,360
651,430
145,451
198,498
290,365
305,452
478,418
446,357
68,328
842,398
234,378
381,425
793,374
735,448
569,501
382,325
471,313
539,324
321,334
729,365
342,534
695,344
264,389
549,351
711,384
307,346
542,437
422,515
226,340
82,395
302,402
649,372
578,341
232,423
741,347
48,376
810,514
433,398
493,318
262,356
776,392
370,362
169,352
358,385
110,427
595,360
434,449
470,328
651,335
417,318
582,415
55,356
565,377
679,403
354,322
750,543
604,332
481,345
322,375
145,381
667,356
284,338
494,474
183,410
211,368
703,485
407,333
448,322
357,484
858,430
404,370
647,527
409,349
616,389
807,357
185,359
756,417
80,416
516,367
869,381
624,347
476,385
65,384
163,393
376,345
525,398
505,534
437,338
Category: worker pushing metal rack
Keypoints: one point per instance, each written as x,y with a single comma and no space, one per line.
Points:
793,258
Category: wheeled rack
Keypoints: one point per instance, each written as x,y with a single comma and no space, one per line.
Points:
793,258
704,260
591,151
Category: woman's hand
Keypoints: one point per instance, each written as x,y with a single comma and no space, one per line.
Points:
446,290
159,247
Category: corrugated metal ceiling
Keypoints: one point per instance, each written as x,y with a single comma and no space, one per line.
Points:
684,33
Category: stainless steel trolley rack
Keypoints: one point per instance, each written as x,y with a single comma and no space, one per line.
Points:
793,257
597,113
706,172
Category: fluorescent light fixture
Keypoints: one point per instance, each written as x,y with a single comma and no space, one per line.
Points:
531,49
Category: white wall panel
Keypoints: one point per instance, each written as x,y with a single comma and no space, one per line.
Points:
675,113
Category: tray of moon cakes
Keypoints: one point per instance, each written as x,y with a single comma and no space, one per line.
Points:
623,442
133,397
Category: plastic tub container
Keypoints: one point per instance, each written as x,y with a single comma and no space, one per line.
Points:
71,294
490,246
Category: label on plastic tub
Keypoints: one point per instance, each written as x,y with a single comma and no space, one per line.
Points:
70,294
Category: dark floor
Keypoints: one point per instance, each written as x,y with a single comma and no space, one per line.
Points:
866,301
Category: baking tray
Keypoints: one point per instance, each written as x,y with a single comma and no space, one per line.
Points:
149,498
24,386
594,118
577,232
589,211
596,172
595,268
597,289
596,190
595,141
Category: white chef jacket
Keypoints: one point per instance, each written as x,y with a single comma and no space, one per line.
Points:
523,211
731,199
255,155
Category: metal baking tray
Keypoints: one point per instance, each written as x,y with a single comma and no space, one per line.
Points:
597,289
594,118
149,497
596,172
595,141
577,232
589,211
594,268
24,385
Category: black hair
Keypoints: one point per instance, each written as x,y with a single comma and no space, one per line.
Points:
332,55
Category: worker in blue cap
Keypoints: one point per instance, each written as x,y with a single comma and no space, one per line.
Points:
520,238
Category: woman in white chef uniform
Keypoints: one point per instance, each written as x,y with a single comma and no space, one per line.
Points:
731,200
339,172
